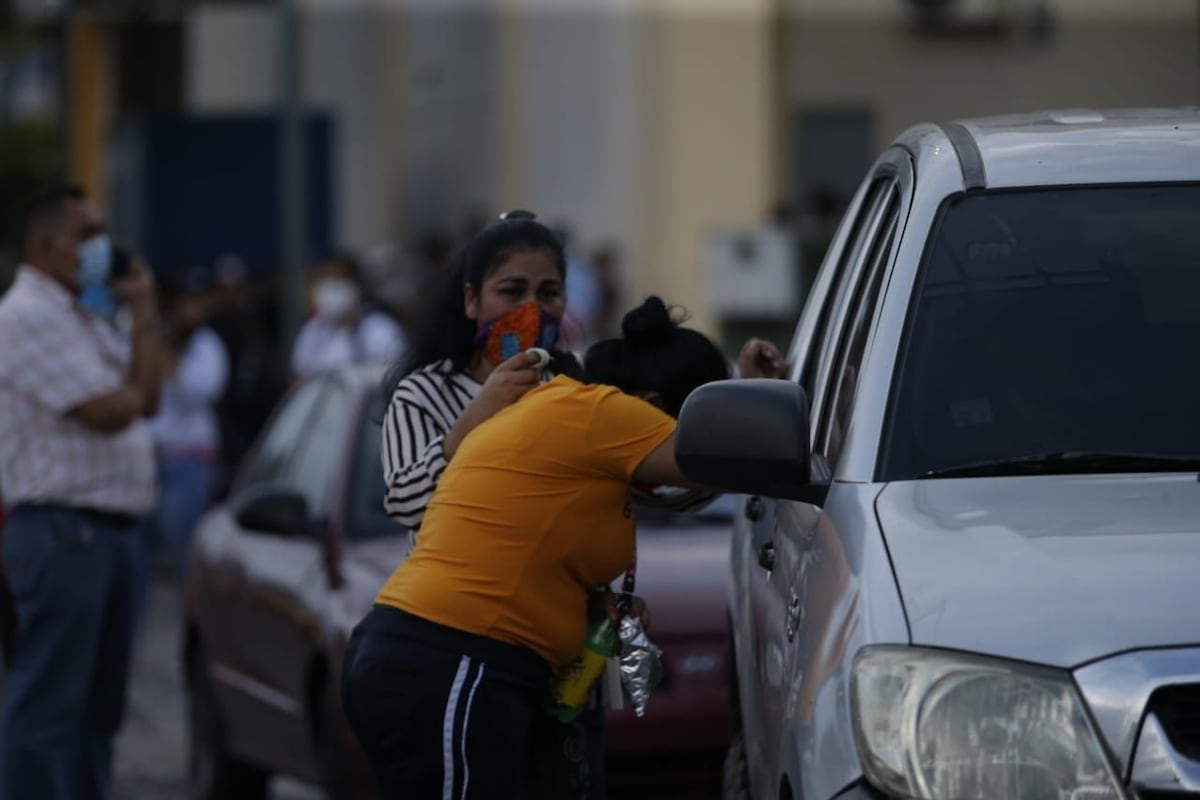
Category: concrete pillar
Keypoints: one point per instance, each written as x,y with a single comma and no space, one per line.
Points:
513,119
90,102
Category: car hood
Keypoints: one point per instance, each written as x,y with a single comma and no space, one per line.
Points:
683,574
1056,570
365,567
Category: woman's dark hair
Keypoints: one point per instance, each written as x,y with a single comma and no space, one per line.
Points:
445,333
656,354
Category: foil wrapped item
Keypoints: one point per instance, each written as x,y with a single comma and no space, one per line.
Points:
640,663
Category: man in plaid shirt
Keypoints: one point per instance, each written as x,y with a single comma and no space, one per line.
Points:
77,473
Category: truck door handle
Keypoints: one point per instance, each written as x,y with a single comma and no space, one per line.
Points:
755,508
766,556
795,615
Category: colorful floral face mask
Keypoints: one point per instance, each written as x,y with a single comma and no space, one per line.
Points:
517,331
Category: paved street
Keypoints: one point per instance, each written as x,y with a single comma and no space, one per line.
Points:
152,750
151,759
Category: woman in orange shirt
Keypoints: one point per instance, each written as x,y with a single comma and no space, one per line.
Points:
443,677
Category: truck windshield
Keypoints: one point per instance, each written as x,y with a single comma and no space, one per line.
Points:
1047,323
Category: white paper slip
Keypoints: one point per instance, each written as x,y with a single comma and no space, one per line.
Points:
612,685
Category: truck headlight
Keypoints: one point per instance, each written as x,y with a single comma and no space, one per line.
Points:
942,726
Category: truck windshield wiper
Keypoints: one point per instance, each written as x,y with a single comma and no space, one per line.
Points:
1066,463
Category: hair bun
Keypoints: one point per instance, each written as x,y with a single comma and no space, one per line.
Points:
649,323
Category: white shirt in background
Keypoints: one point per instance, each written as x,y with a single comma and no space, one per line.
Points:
187,419
324,345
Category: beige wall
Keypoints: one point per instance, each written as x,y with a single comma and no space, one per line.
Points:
707,144
650,123
1066,9
647,127
875,64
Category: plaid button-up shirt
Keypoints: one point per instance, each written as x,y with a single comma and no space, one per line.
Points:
54,357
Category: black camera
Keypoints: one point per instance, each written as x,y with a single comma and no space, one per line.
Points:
122,263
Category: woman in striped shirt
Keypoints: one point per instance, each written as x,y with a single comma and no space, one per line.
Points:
448,385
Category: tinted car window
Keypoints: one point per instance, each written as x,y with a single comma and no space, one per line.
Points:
824,330
366,517
835,416
1052,321
271,456
321,444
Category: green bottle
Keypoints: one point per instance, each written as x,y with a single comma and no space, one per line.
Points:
570,690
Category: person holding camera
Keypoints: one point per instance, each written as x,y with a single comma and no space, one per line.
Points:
77,474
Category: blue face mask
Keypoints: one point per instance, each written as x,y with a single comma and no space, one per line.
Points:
95,260
95,266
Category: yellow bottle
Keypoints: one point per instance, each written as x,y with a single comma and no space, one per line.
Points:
571,689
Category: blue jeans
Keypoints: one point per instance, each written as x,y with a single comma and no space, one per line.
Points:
185,486
71,575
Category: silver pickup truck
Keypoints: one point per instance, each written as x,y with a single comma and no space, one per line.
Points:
967,565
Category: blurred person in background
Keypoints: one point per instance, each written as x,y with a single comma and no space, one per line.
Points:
584,289
446,384
608,287
344,328
401,277
186,436
247,319
77,473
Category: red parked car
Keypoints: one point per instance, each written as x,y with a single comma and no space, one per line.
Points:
293,558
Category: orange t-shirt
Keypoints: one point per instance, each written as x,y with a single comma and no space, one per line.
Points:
532,512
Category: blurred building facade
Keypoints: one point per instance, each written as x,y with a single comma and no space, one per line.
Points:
861,71
648,123
639,126
651,123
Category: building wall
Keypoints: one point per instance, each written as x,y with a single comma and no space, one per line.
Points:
651,123
569,140
648,127
1099,54
707,145
642,127
444,100
232,57
578,75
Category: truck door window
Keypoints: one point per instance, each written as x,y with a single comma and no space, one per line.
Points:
838,398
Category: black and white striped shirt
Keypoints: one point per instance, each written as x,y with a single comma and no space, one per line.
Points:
423,409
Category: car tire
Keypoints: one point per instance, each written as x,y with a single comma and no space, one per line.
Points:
735,779
337,774
735,771
214,774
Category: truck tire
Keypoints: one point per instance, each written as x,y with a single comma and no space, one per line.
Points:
214,774
735,779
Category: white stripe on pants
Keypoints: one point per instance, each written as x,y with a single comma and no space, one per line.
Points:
448,729
467,719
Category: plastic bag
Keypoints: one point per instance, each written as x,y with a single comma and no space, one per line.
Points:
640,662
